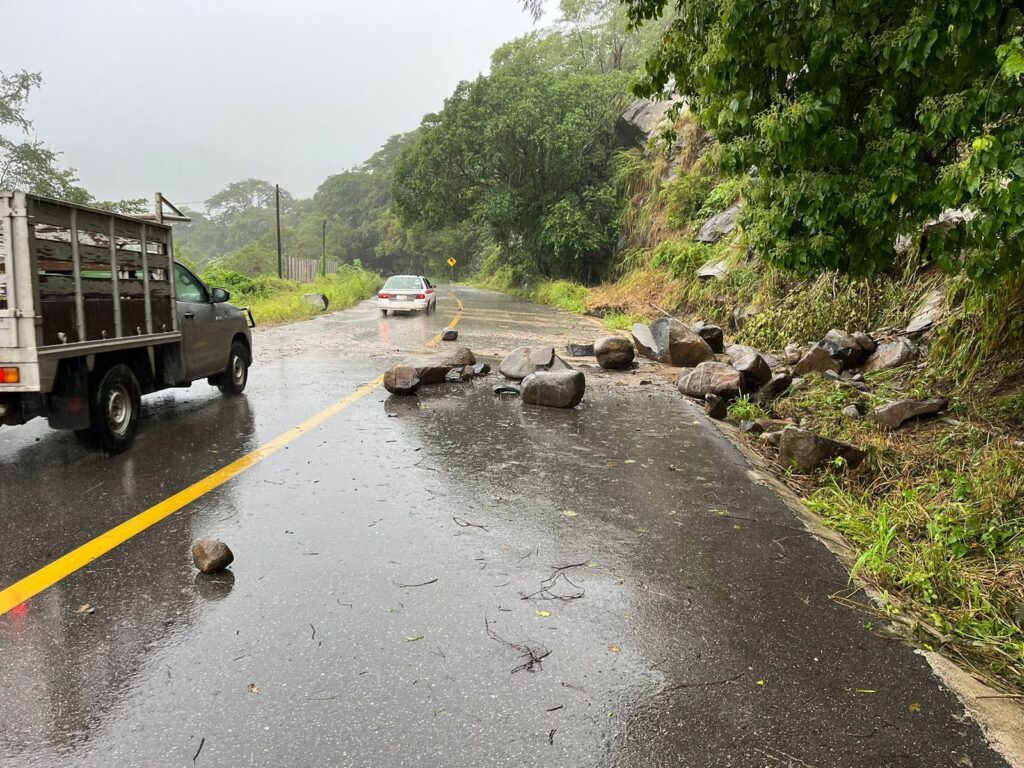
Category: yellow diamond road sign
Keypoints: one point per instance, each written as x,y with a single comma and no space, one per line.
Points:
452,262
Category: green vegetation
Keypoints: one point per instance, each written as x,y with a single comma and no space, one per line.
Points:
274,301
937,519
744,409
863,119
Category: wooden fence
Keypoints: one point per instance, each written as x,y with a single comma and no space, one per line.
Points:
305,270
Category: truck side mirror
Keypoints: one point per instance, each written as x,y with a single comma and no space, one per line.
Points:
219,296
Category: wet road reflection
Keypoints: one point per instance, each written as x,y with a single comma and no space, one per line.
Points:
691,626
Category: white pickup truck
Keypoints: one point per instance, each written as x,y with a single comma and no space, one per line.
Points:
95,313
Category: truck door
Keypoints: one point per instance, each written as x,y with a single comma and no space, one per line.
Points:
203,355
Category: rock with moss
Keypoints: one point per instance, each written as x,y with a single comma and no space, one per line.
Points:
807,451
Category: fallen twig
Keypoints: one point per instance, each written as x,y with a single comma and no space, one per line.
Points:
462,523
410,586
546,591
195,757
533,656
682,686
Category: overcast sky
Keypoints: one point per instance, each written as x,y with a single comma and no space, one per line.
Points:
185,96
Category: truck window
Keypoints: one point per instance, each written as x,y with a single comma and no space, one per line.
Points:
187,286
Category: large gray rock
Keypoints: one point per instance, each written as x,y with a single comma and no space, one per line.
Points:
774,387
843,348
211,556
645,342
555,389
685,347
755,371
407,376
742,315
892,355
720,225
522,361
739,351
449,334
715,407
928,311
713,335
808,451
643,118
893,415
816,360
614,352
866,342
711,378
317,300
669,341
717,269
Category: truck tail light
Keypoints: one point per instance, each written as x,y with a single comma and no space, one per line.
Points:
10,375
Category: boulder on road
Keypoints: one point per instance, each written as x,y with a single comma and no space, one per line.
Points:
449,334
407,376
522,361
614,352
645,342
580,350
893,415
555,389
715,407
711,378
713,335
669,341
815,360
808,451
211,555
774,387
892,355
755,371
683,346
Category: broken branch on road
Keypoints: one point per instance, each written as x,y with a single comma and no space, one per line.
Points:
548,586
532,655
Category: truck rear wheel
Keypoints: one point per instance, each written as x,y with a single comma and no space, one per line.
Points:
234,378
114,405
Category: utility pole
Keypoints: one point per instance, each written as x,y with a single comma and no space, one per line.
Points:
277,208
323,259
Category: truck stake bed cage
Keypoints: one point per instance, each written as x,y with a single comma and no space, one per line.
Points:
95,313
77,280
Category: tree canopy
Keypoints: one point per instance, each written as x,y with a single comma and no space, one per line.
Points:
526,152
864,119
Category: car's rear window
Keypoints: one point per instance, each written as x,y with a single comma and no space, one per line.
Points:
403,283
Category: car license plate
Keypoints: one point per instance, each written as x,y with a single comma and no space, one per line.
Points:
405,298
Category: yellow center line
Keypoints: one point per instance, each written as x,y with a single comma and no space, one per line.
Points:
64,566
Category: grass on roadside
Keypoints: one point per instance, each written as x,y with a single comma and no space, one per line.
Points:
936,515
274,301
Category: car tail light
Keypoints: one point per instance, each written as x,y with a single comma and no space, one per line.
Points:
421,295
383,295
10,375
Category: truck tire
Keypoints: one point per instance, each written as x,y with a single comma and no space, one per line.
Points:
234,378
115,401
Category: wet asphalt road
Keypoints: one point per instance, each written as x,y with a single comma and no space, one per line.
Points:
693,628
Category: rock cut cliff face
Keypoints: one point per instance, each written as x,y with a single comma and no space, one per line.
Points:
644,118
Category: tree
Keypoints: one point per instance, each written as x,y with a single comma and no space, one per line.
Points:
242,196
864,118
523,152
26,163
